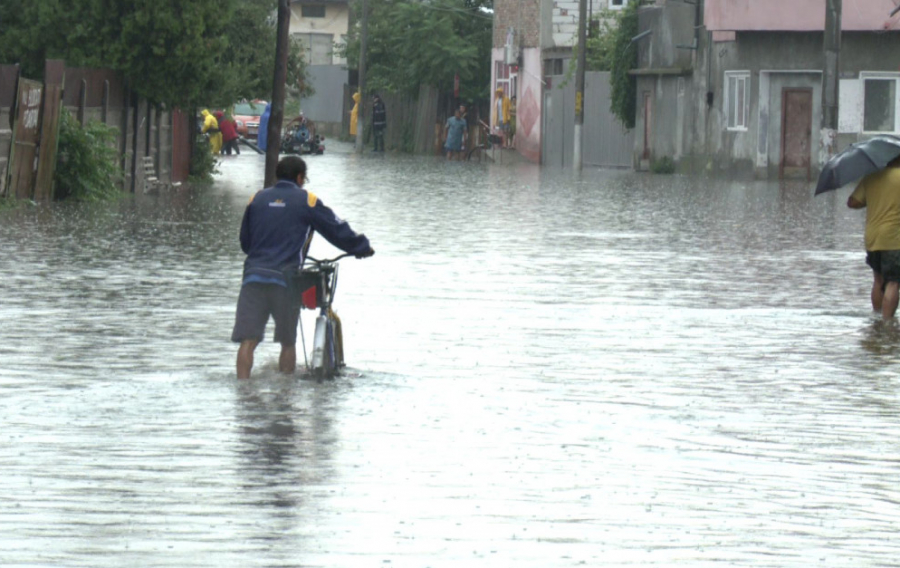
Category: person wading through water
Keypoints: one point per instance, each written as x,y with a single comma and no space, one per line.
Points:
275,233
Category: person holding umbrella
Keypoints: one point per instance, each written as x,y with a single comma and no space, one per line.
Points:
879,194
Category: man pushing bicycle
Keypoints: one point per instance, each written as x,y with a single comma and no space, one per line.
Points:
277,226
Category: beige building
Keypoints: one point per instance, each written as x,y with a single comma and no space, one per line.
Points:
319,25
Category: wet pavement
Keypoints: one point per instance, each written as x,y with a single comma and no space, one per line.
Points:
546,370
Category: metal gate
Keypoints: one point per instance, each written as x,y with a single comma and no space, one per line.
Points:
606,143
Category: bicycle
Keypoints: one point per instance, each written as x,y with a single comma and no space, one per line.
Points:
315,286
480,152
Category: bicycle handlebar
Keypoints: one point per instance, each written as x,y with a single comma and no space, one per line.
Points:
327,260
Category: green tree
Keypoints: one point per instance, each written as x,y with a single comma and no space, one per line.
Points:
180,53
414,43
623,59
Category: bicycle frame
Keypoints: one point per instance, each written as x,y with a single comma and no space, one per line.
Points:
316,289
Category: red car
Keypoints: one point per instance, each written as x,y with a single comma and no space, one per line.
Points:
246,117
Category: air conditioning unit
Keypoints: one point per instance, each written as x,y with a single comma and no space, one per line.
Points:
512,55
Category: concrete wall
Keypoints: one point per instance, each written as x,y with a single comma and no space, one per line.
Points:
529,106
671,36
796,15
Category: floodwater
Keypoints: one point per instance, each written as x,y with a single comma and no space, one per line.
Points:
546,370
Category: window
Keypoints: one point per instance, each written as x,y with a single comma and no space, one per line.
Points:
617,4
737,99
880,104
312,10
501,74
553,67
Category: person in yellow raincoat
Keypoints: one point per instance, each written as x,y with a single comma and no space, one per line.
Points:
501,115
211,127
354,114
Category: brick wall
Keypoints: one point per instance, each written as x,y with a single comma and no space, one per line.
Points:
523,16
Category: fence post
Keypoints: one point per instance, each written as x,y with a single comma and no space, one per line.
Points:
54,78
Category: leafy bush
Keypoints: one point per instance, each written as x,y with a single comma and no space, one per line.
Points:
203,163
664,165
86,161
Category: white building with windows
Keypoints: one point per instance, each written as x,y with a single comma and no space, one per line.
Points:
737,84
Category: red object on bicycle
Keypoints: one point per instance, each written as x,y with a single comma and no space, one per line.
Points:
309,298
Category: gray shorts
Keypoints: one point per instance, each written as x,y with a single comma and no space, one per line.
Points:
256,303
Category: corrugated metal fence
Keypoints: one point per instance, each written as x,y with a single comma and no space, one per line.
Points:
606,143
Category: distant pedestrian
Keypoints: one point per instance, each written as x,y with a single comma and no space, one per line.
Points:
464,114
501,114
229,135
354,114
879,194
454,130
379,122
211,128
263,131
512,122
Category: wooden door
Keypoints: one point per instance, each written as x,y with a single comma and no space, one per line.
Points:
796,133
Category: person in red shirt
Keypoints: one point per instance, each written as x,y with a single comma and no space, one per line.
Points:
229,134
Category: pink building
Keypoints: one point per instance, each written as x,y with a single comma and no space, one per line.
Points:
737,84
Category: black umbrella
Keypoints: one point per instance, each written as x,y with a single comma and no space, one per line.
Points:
858,160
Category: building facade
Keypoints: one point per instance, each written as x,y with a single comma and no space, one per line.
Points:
321,27
533,41
737,85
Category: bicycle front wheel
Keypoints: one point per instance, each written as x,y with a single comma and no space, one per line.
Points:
323,348
477,154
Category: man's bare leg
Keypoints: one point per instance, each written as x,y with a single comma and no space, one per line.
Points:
890,300
245,358
877,291
287,361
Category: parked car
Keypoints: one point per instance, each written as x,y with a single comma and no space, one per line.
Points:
246,117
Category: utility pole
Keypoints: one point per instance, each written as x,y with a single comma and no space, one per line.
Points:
363,38
579,83
276,117
831,77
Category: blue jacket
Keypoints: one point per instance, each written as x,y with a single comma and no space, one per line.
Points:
263,132
278,224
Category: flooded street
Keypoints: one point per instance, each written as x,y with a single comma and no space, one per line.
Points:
545,370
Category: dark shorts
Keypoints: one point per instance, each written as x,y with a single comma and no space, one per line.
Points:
886,263
256,303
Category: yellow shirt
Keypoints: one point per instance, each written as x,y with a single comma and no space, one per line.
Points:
880,193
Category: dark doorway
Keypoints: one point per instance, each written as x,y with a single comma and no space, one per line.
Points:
648,114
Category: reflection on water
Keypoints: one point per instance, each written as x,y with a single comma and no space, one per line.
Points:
547,369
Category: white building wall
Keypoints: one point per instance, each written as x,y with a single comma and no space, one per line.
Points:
565,22
335,23
850,106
